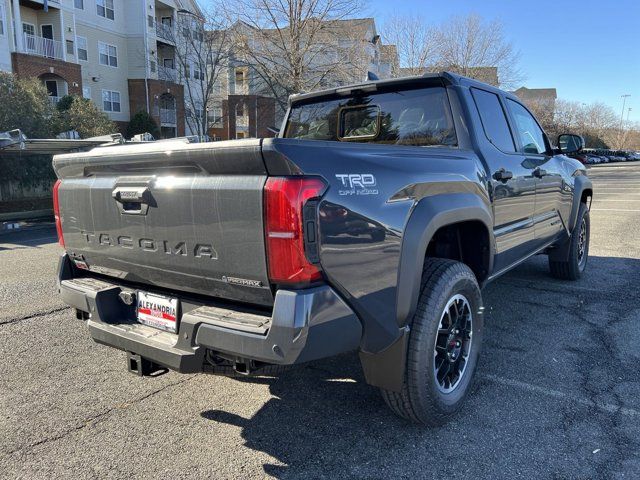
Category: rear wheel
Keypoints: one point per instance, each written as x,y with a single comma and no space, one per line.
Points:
444,345
574,266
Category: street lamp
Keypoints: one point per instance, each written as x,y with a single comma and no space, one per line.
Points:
624,101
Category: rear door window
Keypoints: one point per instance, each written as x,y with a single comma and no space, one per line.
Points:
419,117
494,120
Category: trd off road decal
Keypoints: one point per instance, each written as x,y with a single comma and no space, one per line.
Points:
357,184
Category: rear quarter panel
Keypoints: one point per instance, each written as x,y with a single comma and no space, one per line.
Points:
373,190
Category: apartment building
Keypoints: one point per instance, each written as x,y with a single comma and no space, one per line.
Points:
544,96
242,107
119,53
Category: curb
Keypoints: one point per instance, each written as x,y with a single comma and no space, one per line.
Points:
17,217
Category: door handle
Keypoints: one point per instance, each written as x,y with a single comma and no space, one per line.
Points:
539,172
132,200
503,175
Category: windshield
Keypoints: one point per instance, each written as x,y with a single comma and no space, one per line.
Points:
419,117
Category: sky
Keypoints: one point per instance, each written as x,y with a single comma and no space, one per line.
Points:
588,50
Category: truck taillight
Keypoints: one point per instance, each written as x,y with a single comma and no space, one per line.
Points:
284,199
56,212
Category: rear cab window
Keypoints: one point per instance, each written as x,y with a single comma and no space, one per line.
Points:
419,117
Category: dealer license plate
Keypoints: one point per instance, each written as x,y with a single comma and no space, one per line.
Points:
158,311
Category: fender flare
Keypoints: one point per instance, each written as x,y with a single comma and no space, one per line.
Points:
581,183
561,251
386,368
428,216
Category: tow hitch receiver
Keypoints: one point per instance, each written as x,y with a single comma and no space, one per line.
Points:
143,367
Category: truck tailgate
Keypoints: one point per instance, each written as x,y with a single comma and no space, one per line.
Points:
187,219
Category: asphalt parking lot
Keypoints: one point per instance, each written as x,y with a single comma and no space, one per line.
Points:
557,396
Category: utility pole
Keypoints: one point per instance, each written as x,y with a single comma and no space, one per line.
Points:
624,101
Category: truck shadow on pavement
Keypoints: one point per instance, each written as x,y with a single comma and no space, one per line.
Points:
324,421
320,412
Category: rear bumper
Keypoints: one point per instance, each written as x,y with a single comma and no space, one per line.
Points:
305,325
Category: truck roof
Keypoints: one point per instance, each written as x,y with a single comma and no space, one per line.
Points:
428,79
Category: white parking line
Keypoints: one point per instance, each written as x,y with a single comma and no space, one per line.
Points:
605,407
611,210
28,240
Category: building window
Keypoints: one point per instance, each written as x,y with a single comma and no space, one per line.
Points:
86,92
105,8
198,74
198,34
151,21
29,31
187,71
82,48
152,66
1,19
110,101
240,81
79,4
70,49
108,54
215,116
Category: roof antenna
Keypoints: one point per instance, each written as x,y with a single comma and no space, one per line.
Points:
371,77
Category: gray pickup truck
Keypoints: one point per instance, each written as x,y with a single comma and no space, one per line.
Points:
370,224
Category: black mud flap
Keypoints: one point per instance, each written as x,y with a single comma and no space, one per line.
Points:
386,368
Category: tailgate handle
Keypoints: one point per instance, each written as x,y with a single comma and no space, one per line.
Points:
132,200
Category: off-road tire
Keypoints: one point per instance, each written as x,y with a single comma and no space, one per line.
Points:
574,266
420,399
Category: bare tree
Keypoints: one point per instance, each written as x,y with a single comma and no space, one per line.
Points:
201,56
467,43
294,46
544,111
416,41
596,122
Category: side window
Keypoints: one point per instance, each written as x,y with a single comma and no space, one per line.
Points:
494,120
530,134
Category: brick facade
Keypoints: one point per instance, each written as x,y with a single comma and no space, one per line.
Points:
156,88
261,112
26,66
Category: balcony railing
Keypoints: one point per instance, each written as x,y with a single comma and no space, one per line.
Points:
43,47
165,32
167,116
167,74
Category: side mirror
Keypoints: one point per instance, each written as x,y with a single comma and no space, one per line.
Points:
570,144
